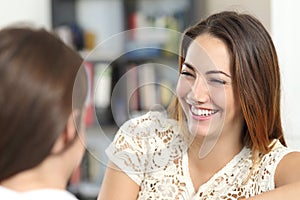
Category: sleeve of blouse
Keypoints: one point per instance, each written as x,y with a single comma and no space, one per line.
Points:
128,151
145,144
271,161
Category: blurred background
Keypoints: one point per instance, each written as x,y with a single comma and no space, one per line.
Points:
121,69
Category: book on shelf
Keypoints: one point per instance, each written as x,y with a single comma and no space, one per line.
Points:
132,81
102,92
147,88
89,117
102,85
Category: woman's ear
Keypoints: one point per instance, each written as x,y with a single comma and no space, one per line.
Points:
68,134
70,129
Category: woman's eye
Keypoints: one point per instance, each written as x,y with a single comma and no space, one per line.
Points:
186,73
218,81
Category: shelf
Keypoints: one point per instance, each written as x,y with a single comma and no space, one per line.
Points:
143,61
99,55
94,162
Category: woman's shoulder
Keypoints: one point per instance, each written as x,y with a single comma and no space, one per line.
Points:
278,149
46,194
275,155
269,162
6,193
146,143
287,164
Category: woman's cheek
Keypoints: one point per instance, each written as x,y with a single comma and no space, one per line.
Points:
183,87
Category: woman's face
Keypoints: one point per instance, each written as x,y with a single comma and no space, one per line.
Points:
205,89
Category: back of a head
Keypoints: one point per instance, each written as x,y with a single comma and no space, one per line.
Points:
37,74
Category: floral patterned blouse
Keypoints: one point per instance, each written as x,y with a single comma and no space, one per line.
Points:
153,153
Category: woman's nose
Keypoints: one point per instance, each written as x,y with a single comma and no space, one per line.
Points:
199,91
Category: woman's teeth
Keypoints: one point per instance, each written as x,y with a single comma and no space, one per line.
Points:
202,112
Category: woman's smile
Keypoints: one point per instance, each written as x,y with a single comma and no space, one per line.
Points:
200,112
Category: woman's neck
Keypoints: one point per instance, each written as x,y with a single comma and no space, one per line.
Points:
216,150
209,155
39,177
204,150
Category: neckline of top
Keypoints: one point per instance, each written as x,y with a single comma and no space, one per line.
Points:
234,161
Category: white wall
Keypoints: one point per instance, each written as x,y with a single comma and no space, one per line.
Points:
285,25
104,18
259,8
35,12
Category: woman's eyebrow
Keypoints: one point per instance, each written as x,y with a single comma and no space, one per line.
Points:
208,72
189,66
217,72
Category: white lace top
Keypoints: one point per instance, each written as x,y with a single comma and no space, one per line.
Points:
152,152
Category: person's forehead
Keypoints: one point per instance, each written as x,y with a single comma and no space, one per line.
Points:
206,53
198,58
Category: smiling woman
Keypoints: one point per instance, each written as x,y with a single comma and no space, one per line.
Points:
223,137
204,89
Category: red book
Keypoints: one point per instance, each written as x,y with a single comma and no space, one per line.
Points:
76,176
89,118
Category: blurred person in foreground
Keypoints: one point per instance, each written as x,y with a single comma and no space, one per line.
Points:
43,89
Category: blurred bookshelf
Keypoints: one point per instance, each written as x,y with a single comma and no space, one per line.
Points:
130,74
92,168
